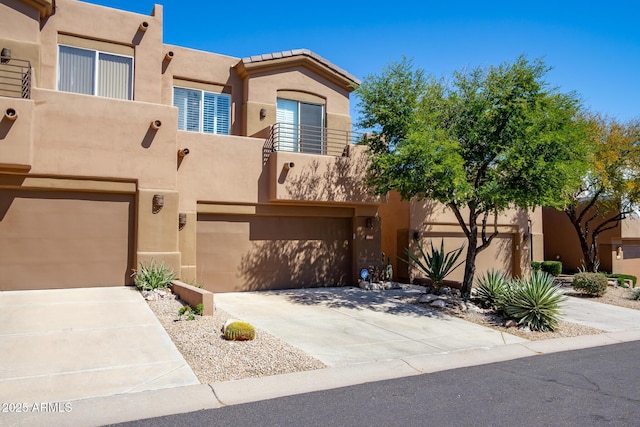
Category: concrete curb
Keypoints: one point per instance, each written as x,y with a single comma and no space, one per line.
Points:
149,404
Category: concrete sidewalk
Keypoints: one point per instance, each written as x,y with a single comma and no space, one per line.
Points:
363,337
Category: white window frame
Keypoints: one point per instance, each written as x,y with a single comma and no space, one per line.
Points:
201,110
96,69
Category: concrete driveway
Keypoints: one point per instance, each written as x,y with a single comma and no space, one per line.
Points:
61,345
346,326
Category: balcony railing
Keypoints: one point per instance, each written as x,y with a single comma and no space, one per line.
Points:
311,139
15,77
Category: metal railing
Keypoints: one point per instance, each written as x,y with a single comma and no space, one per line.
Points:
15,77
311,139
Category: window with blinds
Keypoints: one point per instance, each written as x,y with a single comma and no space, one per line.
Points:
93,72
201,111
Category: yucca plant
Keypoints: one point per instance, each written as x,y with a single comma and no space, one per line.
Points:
152,276
435,264
535,302
492,288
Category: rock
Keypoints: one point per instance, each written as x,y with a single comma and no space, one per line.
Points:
438,303
427,298
161,293
445,291
363,284
524,329
510,323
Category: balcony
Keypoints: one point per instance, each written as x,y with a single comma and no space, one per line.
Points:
15,77
311,139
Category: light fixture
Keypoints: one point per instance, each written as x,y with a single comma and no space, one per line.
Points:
416,235
619,252
183,152
263,113
156,124
158,202
370,222
5,55
182,220
169,55
144,26
11,114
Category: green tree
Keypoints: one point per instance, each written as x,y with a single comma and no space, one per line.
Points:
486,140
610,189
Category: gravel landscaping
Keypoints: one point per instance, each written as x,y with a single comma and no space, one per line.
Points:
213,359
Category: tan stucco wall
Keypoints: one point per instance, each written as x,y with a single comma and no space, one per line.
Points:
19,22
394,215
16,136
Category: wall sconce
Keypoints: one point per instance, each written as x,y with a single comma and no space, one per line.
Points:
369,222
183,152
169,55
5,55
156,124
288,165
158,202
619,252
525,240
416,235
182,220
11,114
144,26
263,113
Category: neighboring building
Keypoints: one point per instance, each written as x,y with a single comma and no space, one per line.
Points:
239,174
618,248
93,176
519,240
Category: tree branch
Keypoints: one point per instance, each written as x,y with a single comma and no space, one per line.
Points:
458,215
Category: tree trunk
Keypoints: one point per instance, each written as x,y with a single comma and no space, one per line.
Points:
470,262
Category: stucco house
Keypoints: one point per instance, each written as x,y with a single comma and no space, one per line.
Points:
238,173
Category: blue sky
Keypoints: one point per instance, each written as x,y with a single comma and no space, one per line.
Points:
593,47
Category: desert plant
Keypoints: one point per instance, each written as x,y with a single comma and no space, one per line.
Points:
554,268
436,264
491,289
535,302
620,278
594,284
634,294
152,276
535,265
199,309
188,312
239,331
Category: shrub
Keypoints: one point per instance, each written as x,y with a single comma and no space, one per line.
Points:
620,278
188,312
590,283
634,294
554,268
491,288
436,264
535,302
152,276
239,331
535,265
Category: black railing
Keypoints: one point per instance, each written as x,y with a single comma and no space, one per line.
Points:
15,77
311,139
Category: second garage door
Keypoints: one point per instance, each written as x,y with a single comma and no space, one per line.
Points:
237,253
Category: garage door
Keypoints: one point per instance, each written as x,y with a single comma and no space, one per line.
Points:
236,253
54,240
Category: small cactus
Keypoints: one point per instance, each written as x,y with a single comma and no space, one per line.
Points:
239,331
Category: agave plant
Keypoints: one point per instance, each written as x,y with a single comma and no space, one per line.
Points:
493,289
535,302
435,264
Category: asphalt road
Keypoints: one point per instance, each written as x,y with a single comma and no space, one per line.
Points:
590,387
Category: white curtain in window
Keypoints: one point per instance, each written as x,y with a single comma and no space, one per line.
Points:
188,103
216,113
76,72
287,118
114,76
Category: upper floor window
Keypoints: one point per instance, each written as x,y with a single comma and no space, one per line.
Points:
201,111
300,126
92,72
